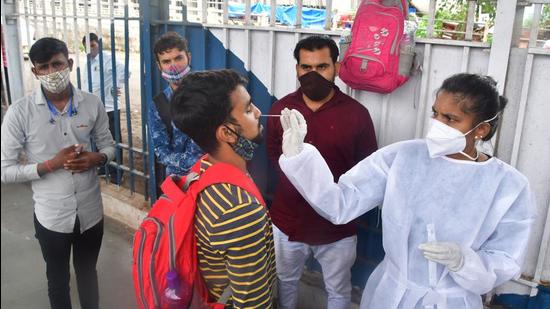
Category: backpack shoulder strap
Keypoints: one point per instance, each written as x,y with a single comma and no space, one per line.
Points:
163,108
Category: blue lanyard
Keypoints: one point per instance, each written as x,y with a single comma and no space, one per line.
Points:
54,112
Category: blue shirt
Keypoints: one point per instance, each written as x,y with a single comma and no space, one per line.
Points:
178,154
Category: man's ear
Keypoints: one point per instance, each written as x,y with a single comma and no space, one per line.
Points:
188,58
337,68
33,70
224,135
71,62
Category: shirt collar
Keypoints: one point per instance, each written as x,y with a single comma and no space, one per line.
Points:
40,99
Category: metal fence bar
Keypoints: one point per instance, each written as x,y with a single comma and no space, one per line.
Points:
271,62
127,99
273,17
465,59
424,84
204,11
533,34
35,18
114,94
87,29
64,10
27,25
521,110
299,5
101,64
76,44
44,18
470,20
328,17
52,7
146,97
247,12
431,19
225,12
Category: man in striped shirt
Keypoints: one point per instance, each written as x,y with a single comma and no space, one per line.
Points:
232,227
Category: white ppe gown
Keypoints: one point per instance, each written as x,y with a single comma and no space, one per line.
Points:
485,207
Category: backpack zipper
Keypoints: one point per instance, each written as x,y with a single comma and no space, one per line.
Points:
152,262
139,267
369,58
172,242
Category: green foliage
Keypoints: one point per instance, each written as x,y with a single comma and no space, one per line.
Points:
456,11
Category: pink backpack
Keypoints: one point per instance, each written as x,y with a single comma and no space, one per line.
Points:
372,59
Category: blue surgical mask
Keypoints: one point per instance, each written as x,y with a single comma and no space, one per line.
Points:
243,147
175,74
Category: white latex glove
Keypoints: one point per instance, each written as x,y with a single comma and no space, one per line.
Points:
445,253
294,131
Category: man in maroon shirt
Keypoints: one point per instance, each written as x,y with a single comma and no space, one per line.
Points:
342,130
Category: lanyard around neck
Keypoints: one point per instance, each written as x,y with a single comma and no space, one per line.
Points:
54,112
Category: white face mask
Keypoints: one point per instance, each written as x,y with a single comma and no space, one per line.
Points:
55,82
444,140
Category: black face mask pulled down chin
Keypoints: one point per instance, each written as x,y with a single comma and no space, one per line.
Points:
315,86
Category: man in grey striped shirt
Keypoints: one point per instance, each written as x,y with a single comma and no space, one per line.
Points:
53,126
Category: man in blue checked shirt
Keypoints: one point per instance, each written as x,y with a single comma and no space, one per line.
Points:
175,151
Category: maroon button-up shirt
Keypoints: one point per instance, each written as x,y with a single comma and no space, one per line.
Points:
342,131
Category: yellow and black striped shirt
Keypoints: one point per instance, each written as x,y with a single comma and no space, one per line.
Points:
235,245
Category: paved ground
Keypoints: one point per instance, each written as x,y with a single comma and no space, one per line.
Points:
23,270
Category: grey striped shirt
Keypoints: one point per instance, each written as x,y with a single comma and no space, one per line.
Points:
59,196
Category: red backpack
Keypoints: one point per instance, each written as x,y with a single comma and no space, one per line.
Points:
165,240
372,60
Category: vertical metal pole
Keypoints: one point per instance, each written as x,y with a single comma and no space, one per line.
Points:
247,9
76,43
100,55
525,87
35,17
204,11
425,82
127,99
273,16
27,24
14,57
271,61
64,8
54,19
44,18
225,12
502,41
88,60
431,20
114,94
328,17
145,50
470,20
298,23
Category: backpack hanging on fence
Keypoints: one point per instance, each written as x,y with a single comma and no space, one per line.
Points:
165,244
371,61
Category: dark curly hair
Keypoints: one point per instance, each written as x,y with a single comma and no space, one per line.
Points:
202,103
478,95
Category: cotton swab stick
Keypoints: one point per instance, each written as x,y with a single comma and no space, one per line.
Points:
270,115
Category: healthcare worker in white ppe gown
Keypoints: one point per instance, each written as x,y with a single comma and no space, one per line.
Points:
455,221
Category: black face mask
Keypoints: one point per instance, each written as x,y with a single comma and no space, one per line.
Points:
315,86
